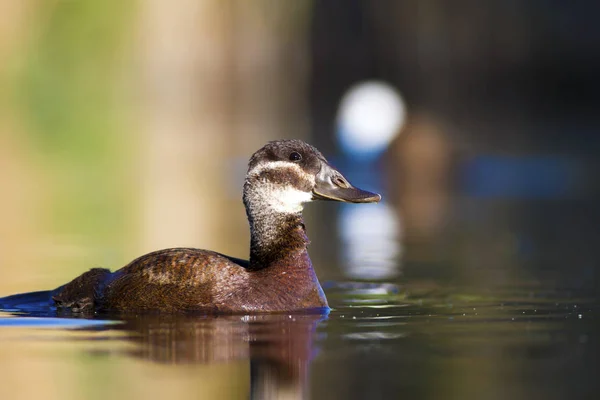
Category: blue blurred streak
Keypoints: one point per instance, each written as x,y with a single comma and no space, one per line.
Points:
533,177
56,323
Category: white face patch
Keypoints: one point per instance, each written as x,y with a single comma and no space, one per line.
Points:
286,199
281,165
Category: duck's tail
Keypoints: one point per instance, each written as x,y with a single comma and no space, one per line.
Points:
79,294
25,301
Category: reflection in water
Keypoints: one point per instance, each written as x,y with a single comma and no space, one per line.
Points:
279,347
371,241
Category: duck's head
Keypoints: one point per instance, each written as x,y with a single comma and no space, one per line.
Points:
285,174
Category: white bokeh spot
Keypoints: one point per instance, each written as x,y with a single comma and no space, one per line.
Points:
371,114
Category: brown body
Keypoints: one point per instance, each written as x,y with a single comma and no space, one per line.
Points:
192,279
186,279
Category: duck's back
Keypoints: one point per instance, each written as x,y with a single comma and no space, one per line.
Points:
184,279
173,280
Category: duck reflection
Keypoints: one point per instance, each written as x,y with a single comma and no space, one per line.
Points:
278,347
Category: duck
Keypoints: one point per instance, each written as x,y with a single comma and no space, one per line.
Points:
279,276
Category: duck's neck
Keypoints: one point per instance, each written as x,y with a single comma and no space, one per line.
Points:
275,233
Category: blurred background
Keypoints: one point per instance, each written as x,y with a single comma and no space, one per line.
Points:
126,126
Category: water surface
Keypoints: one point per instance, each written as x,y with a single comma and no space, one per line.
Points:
379,341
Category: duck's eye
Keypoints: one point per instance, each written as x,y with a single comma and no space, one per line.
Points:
295,156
